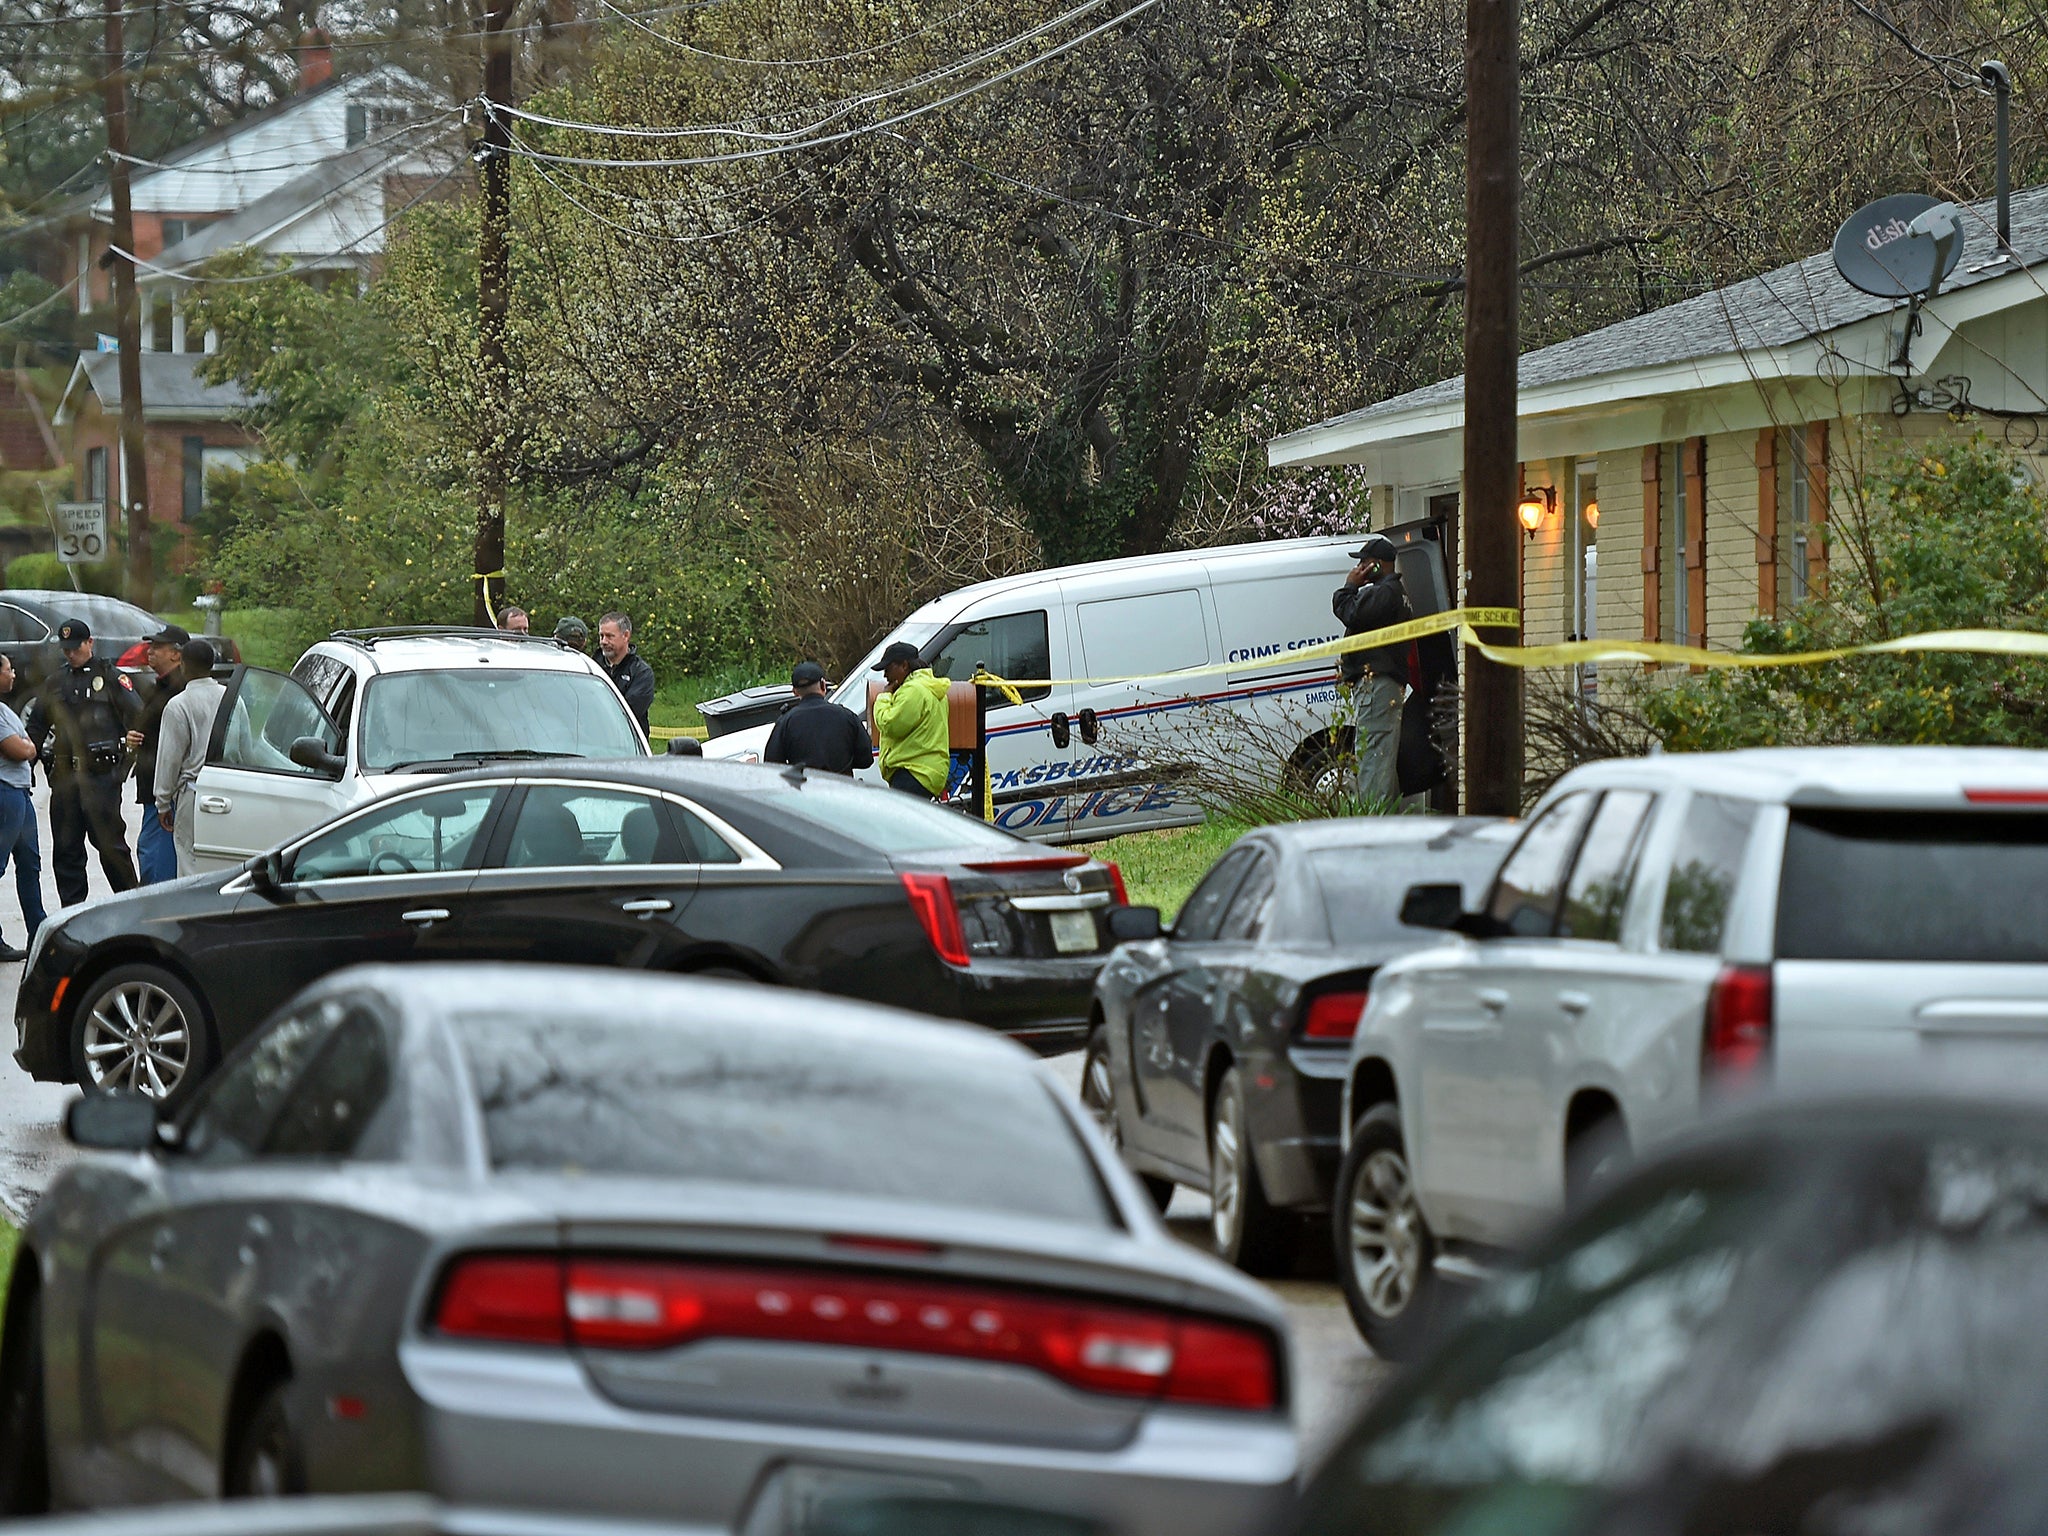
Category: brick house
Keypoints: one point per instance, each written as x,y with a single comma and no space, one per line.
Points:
1701,448
190,428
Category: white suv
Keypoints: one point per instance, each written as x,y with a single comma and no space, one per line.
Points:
370,710
1664,926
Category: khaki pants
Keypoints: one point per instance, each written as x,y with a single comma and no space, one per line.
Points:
185,813
1377,703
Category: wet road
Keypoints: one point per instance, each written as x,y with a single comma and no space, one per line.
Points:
1336,1372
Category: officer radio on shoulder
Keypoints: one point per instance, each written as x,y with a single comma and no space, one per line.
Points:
79,723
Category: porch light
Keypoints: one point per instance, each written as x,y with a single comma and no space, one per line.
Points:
1592,514
1534,507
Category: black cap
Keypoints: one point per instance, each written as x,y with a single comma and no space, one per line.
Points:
73,632
1376,547
171,634
806,674
571,628
899,650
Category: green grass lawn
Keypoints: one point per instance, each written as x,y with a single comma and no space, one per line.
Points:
1160,868
675,703
10,1241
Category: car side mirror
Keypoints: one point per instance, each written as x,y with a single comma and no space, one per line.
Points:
266,872
1134,925
1433,906
685,746
311,752
112,1122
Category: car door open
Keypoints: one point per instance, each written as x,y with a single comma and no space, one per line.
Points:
254,793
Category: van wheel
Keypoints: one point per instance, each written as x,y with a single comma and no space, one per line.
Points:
1386,1254
1593,1159
1247,1231
1098,1097
1323,768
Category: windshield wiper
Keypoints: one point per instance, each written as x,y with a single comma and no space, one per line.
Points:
489,754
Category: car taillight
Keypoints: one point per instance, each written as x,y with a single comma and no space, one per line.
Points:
514,1298
1117,894
1737,1042
135,658
625,1304
931,898
1332,1015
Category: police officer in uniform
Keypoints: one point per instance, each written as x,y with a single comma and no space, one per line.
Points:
78,723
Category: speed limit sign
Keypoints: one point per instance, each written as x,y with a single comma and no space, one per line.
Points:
81,532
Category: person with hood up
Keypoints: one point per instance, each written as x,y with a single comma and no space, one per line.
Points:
911,723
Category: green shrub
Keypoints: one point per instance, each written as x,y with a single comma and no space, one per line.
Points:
47,573
1950,538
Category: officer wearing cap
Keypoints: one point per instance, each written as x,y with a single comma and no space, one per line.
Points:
1371,598
816,733
156,854
78,723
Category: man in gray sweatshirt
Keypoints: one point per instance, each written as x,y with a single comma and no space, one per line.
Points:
181,747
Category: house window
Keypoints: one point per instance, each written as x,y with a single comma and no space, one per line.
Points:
195,476
174,231
358,125
1795,518
95,487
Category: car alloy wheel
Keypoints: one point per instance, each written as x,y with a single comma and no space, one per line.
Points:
1246,1230
1386,1243
138,1038
1386,1254
1098,1097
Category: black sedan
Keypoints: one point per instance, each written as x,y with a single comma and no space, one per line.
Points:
1219,1047
120,631
668,864
1822,1317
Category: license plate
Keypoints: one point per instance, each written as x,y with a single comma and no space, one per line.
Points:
1072,931
802,1500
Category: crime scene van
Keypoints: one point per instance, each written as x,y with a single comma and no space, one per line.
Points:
1076,760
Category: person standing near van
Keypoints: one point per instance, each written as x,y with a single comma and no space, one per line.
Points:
181,748
911,723
1371,598
816,733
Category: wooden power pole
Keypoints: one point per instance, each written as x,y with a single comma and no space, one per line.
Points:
494,302
1493,693
134,477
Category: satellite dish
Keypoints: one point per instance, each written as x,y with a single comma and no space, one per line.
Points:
1891,249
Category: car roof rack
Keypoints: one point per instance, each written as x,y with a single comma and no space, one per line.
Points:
370,637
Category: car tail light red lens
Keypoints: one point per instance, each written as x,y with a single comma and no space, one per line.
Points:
1117,894
1332,1015
931,898
657,1304
2006,796
1029,866
1737,1043
518,1298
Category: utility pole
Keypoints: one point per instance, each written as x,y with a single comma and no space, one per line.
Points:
1493,693
494,302
134,477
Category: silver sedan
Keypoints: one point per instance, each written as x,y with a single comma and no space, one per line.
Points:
563,1246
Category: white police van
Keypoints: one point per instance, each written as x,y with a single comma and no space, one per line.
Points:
1083,760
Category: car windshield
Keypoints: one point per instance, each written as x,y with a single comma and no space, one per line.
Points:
414,719
889,820
1363,886
1698,1357
799,1111
853,690
1886,885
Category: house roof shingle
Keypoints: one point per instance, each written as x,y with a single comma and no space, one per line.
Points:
171,387
1791,304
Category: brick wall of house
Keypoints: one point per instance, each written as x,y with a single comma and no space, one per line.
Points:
163,454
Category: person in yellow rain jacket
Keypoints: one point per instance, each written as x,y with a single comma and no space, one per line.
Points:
911,723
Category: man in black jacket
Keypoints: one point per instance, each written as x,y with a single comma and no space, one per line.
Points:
623,665
1371,598
816,733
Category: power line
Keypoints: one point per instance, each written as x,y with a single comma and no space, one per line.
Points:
772,150
828,58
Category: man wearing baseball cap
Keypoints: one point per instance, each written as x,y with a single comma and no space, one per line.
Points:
1371,598
79,723
911,723
816,733
156,855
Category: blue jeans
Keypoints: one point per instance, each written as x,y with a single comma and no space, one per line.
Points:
18,841
156,854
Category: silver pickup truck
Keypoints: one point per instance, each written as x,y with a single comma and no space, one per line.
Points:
1666,928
